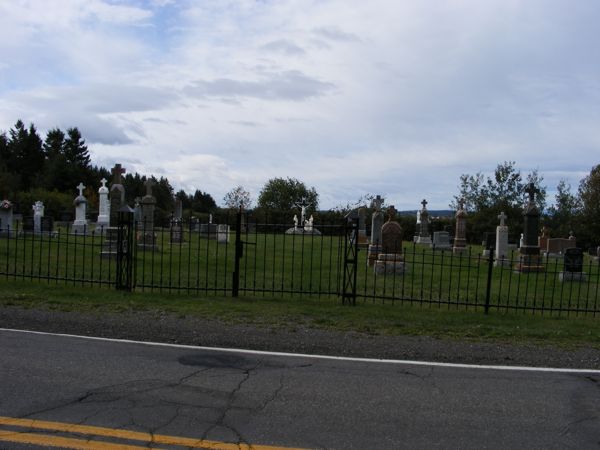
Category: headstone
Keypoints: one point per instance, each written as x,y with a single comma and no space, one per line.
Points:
362,227
38,213
376,224
556,247
6,218
390,260
117,195
147,237
489,243
460,236
441,240
178,214
573,265
501,254
424,236
543,239
80,224
176,232
222,234
103,207
529,260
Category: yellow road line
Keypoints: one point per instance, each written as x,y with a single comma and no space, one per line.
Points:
133,435
62,442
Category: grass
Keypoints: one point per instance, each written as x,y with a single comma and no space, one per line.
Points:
291,266
292,313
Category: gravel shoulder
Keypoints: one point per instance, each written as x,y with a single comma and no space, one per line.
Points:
170,328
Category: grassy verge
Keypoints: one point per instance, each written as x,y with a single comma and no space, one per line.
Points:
291,313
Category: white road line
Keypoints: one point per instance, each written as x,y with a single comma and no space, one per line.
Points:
326,357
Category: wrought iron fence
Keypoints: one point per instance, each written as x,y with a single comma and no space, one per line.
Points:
239,257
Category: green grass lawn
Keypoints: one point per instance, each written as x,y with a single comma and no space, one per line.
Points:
294,266
290,313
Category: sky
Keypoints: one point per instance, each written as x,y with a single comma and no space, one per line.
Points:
397,98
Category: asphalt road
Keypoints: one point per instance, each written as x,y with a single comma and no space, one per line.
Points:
128,392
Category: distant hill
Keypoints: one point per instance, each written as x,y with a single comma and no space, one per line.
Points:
432,213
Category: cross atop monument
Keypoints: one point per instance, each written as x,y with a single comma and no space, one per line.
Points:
117,171
424,203
531,190
502,218
81,187
377,202
149,183
391,211
103,181
461,203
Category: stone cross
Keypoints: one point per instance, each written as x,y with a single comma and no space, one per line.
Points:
103,181
424,203
117,171
149,183
531,190
81,187
391,213
502,217
377,202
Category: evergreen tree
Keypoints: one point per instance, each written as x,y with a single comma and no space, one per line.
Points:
56,170
26,154
589,194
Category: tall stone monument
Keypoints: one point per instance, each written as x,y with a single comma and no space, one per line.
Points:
38,213
501,254
6,218
176,232
376,225
424,236
117,194
80,224
391,259
530,260
362,227
103,207
460,235
147,237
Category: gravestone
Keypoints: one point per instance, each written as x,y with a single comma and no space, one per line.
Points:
176,231
117,195
6,219
222,234
543,239
103,207
460,236
557,246
424,236
390,260
529,259
362,227
38,213
441,240
572,265
376,225
80,224
501,254
489,243
147,237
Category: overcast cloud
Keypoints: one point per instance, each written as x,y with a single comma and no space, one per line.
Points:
397,98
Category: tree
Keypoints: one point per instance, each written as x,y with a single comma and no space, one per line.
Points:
589,194
26,156
203,202
238,198
563,214
282,194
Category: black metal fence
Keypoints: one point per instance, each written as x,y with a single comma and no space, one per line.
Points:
239,257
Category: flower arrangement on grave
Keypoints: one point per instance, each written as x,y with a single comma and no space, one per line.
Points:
6,204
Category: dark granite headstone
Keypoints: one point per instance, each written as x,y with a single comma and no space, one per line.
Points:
573,260
47,224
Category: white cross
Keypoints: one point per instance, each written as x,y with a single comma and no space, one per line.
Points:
81,187
377,202
103,181
502,216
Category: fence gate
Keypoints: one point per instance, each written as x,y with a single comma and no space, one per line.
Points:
125,248
350,262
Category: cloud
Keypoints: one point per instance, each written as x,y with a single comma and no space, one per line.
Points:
335,34
284,46
289,85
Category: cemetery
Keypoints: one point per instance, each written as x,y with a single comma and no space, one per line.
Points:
366,255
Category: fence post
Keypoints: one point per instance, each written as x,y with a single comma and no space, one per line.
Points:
239,248
350,270
488,291
125,256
